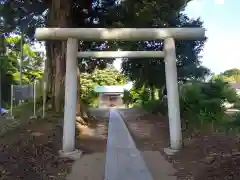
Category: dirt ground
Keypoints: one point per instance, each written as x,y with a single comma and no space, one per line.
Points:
89,167
206,157
93,138
31,151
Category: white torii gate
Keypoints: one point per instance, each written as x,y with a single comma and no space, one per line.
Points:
128,34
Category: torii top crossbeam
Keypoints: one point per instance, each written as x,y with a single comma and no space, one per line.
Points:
128,34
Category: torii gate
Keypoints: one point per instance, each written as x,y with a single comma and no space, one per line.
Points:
72,35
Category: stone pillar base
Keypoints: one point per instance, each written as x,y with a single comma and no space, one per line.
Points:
33,117
10,117
74,155
170,151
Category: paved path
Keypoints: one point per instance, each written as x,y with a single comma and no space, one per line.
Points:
123,160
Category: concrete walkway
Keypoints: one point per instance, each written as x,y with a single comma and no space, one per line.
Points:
123,160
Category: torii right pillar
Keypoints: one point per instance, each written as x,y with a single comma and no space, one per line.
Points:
172,96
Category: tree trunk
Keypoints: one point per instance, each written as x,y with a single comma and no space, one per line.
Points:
59,16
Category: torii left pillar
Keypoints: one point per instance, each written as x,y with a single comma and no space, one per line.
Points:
68,147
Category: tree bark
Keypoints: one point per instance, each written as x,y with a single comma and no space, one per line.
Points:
60,15
55,67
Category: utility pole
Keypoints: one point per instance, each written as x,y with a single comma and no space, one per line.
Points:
2,53
0,82
21,55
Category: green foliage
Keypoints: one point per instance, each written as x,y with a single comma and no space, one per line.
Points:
151,72
141,95
89,81
232,72
132,96
232,124
6,70
136,96
144,95
202,103
28,15
108,76
231,76
156,106
16,78
10,66
32,61
235,121
109,13
115,13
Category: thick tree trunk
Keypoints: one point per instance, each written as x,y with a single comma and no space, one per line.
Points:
60,13
59,16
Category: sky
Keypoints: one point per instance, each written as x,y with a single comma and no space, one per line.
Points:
222,22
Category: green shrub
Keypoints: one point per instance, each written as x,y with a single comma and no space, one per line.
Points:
202,103
235,122
232,124
136,96
156,106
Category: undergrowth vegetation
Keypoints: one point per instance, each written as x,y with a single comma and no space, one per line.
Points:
201,105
